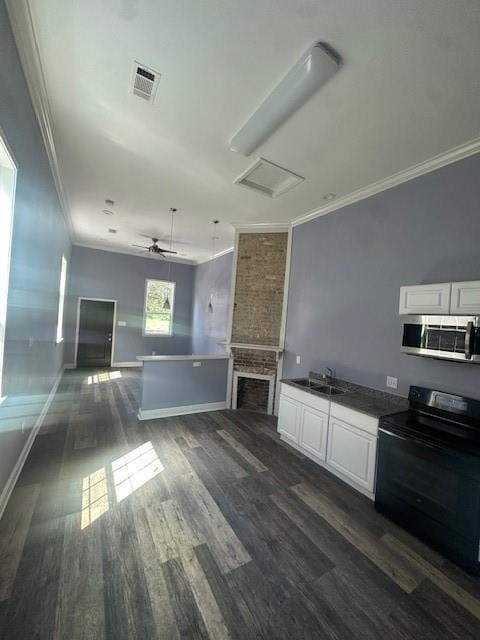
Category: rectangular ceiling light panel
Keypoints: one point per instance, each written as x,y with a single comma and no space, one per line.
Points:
313,69
268,178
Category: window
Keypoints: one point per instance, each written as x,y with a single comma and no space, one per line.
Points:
61,299
157,315
8,172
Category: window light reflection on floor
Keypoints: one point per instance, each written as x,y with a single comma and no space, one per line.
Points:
104,377
94,497
134,469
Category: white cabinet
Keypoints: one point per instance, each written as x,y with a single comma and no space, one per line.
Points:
289,418
337,437
425,299
313,431
352,452
465,298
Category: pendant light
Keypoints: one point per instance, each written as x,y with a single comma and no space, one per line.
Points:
166,304
214,237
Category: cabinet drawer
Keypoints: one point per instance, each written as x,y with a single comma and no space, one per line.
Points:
316,402
351,452
288,418
313,431
465,298
360,420
425,298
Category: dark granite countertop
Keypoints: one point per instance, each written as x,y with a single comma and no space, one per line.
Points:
364,399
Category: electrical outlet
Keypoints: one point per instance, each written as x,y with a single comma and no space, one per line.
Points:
154,353
197,364
31,340
122,323
392,382
298,360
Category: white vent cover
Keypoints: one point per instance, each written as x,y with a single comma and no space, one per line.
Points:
145,81
268,178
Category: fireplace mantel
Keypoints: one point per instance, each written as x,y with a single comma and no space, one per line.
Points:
253,347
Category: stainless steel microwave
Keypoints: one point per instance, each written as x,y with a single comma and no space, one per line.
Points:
446,337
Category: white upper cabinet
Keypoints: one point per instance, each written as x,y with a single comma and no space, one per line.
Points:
465,298
425,299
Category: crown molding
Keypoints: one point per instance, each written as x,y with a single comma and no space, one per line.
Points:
470,148
261,227
21,20
214,257
147,255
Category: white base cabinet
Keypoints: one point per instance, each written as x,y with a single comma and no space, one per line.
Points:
352,452
339,438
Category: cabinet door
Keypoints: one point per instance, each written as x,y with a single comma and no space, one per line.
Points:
352,451
288,418
313,431
465,298
425,298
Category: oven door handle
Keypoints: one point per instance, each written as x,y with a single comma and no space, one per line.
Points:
394,435
415,440
468,340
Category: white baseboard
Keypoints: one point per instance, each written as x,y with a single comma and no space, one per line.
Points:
134,363
151,414
17,469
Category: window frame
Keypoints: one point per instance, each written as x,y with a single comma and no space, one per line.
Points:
59,337
157,334
9,164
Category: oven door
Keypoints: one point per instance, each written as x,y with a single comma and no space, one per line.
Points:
446,337
434,493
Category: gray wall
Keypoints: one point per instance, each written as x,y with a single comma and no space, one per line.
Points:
200,385
39,239
208,328
347,268
104,274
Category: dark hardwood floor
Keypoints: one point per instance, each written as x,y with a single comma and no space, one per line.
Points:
204,526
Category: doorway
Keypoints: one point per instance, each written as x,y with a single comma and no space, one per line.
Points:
95,332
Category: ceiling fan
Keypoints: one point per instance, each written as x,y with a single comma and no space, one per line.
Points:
154,248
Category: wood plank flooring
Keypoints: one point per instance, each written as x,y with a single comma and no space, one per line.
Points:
204,526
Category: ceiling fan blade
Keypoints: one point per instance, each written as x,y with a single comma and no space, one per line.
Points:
139,246
167,251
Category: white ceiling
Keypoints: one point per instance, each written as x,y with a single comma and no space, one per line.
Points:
409,89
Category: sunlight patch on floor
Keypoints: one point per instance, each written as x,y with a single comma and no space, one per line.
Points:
134,469
94,497
104,377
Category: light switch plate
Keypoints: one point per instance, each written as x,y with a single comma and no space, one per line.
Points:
197,364
122,323
392,382
298,360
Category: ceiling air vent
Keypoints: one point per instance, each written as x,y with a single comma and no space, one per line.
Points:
145,82
268,178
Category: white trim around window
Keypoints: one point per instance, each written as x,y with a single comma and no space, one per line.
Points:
61,299
165,334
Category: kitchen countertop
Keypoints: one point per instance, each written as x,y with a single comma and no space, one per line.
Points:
364,399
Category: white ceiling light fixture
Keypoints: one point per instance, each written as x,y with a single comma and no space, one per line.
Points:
313,70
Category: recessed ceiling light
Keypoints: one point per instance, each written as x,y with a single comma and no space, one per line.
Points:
329,196
109,202
107,212
112,231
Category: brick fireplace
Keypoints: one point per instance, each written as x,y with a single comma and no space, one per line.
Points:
255,345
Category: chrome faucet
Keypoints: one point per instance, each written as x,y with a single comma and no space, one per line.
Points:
329,373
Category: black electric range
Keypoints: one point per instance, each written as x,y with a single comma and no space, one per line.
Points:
428,472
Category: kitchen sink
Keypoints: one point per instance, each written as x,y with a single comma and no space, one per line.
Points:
320,387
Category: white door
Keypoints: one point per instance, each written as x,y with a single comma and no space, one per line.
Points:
288,418
313,432
465,298
352,451
425,299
